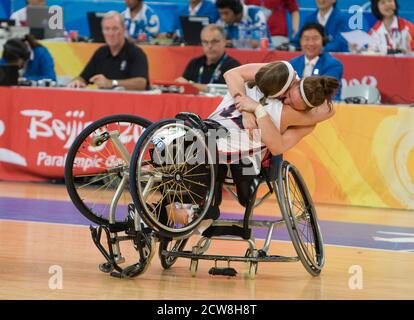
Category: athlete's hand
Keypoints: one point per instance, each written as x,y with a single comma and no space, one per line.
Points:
244,103
249,122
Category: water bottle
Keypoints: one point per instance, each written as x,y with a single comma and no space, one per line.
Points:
158,143
264,40
241,43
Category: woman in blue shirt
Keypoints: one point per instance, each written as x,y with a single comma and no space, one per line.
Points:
40,64
31,56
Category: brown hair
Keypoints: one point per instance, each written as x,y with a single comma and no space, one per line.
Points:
31,40
270,79
320,88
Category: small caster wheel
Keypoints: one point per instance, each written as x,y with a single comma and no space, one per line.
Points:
252,264
252,269
106,267
193,267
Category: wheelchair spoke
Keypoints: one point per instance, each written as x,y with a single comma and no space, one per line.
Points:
296,195
106,186
196,194
91,175
159,206
197,174
182,201
96,180
187,172
178,150
189,193
196,182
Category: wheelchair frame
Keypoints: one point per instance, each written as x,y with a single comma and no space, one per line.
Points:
230,230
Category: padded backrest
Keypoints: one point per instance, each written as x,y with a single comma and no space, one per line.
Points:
361,94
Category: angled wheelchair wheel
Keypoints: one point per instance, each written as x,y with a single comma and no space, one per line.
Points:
97,169
172,246
172,177
300,217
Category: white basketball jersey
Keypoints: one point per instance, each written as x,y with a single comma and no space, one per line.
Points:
239,142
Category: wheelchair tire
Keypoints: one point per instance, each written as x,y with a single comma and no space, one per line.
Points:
156,183
300,217
94,168
175,246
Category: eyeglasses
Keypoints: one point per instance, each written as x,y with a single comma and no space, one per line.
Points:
213,42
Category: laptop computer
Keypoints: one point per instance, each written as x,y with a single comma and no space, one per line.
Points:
95,28
38,19
9,75
192,27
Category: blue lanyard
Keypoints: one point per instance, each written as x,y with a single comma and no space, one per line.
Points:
216,73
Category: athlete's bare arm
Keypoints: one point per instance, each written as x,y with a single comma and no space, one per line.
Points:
277,142
236,77
292,117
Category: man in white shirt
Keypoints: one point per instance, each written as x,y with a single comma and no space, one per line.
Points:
20,16
141,22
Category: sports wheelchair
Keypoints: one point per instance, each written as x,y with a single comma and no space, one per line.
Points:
139,195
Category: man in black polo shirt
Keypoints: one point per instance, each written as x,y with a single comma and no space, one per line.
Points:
210,67
117,64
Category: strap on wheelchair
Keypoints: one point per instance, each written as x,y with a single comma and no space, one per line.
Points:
273,169
193,119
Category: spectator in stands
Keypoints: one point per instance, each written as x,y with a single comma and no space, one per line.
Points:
244,25
314,61
141,22
118,63
32,58
198,8
210,67
334,22
277,22
20,16
391,34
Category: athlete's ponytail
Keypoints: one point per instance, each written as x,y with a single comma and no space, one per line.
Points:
316,89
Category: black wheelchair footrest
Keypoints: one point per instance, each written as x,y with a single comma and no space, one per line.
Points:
230,272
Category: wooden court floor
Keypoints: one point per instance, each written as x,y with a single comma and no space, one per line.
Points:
30,250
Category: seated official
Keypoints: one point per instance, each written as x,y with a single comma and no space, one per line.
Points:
210,67
314,61
31,57
141,22
119,63
243,25
391,34
334,21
